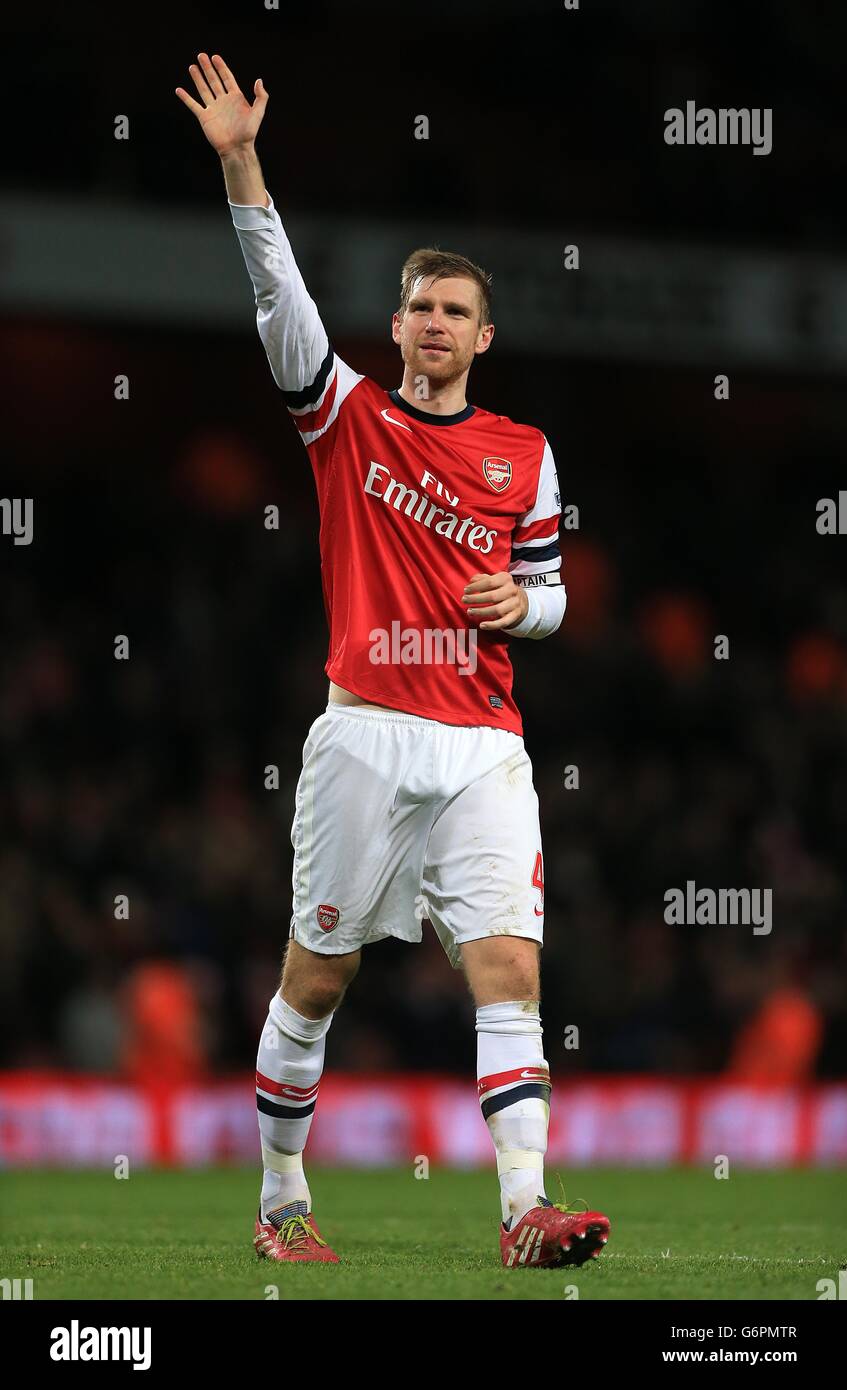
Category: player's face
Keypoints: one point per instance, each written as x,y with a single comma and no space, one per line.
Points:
440,333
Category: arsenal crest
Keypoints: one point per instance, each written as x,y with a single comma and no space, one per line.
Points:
327,917
497,473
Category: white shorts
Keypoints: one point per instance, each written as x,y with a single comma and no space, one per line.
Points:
399,819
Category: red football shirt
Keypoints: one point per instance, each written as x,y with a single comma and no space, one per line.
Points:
412,506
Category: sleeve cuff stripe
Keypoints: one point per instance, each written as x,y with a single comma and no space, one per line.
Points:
535,553
309,395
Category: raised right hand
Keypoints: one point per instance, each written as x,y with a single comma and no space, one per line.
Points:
229,121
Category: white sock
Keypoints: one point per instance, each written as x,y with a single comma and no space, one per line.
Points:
288,1072
514,1095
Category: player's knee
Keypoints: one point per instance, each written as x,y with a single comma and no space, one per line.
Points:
315,984
522,986
323,996
502,968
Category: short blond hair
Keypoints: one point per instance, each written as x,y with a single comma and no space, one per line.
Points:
428,262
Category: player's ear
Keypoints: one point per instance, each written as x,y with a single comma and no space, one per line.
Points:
395,327
483,342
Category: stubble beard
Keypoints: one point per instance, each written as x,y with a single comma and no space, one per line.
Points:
451,370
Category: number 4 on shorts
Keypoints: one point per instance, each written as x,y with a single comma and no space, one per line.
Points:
538,882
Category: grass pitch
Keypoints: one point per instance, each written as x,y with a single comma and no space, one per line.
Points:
676,1234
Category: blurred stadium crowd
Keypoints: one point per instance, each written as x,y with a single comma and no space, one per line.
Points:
697,517
146,777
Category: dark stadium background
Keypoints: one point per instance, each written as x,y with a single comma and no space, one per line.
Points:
696,518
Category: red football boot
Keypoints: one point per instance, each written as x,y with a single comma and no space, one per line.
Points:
551,1235
294,1238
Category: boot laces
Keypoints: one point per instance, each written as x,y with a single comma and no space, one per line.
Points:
296,1231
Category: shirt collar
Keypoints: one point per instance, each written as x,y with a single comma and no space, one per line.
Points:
428,417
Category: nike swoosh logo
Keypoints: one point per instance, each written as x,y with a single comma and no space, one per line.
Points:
535,1075
392,421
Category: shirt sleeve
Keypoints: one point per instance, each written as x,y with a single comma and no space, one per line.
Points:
535,539
545,612
313,380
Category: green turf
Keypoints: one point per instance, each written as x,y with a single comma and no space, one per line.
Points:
676,1234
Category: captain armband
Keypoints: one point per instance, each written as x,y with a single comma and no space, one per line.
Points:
547,603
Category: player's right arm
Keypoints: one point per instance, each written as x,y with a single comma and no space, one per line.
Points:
313,381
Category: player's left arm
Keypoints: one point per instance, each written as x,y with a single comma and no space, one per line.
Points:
529,599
